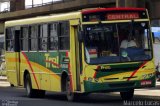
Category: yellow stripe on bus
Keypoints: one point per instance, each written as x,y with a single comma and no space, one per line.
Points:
45,69
12,59
35,65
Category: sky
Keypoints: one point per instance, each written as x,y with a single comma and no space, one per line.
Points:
29,2
5,5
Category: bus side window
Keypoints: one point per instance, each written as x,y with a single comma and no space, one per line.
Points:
53,36
64,41
24,38
43,36
33,38
10,39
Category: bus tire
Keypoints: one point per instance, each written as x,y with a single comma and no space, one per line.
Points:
71,96
128,95
28,86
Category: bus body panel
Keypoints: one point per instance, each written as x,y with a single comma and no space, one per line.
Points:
42,72
11,66
45,69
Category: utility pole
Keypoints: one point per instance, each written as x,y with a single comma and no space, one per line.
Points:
0,7
32,3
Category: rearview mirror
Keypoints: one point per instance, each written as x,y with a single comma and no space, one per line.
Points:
80,36
153,37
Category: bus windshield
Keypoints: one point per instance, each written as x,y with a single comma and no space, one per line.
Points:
117,42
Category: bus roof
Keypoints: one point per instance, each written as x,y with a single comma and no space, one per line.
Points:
111,9
64,16
44,19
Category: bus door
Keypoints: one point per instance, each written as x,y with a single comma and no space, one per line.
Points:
12,55
75,54
17,53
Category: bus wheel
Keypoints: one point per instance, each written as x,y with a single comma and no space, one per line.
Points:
128,95
28,86
32,92
70,95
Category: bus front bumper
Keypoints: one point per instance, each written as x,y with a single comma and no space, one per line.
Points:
118,86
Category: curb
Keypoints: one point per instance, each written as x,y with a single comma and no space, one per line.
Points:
3,78
4,84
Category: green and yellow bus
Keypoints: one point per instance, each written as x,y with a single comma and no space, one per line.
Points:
92,50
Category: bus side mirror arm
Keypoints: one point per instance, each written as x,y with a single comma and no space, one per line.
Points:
80,36
153,37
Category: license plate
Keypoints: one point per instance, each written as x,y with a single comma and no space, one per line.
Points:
147,82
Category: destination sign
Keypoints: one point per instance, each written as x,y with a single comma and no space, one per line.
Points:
122,16
114,15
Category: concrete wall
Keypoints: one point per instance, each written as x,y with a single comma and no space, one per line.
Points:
155,8
55,8
1,27
18,8
130,3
